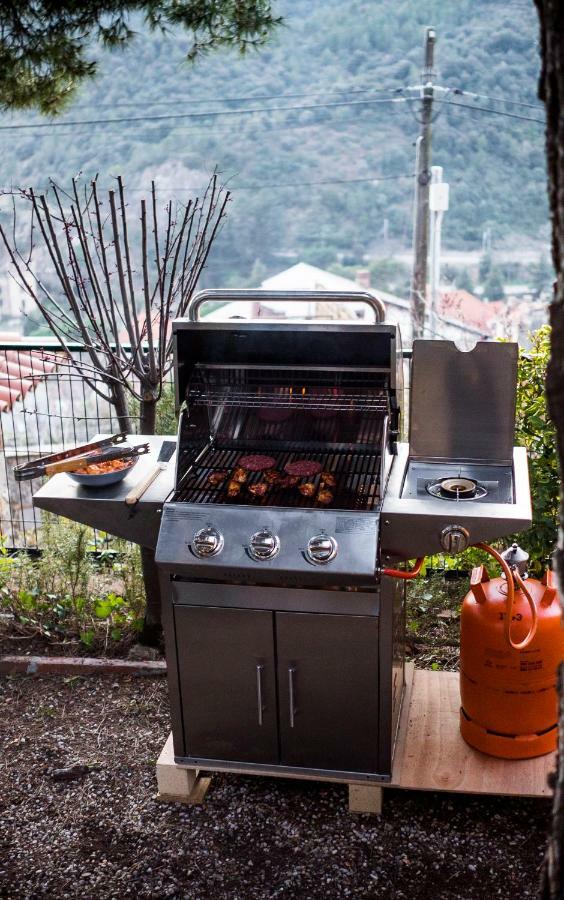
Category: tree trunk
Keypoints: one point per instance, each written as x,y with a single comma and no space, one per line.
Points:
148,416
551,91
119,402
152,629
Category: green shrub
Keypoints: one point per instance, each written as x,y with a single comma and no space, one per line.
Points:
535,431
67,593
166,421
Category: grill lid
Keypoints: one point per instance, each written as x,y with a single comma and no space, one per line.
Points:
349,348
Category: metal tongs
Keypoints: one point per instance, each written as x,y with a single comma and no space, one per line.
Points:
103,450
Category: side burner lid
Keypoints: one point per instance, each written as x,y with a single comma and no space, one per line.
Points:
462,404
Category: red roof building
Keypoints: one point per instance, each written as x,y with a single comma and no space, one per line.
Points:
495,319
20,370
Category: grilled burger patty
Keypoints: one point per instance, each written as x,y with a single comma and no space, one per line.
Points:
303,467
256,462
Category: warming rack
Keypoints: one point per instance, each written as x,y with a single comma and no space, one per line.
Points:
314,388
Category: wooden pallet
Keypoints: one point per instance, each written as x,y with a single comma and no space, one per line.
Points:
430,755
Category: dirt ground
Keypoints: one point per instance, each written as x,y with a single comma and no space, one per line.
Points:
105,836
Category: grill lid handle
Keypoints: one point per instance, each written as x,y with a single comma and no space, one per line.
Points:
252,296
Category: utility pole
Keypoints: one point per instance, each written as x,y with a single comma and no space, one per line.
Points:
438,205
423,178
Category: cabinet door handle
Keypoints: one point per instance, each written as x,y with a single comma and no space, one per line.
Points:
260,707
291,671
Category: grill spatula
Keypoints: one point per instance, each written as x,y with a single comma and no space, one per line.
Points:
165,454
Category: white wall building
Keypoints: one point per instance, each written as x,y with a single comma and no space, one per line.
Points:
304,277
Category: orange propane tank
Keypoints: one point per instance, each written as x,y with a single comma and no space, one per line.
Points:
508,663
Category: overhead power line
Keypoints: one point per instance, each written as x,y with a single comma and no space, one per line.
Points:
497,99
287,96
201,115
495,112
374,179
323,181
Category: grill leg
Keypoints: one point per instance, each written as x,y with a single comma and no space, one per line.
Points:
152,629
365,798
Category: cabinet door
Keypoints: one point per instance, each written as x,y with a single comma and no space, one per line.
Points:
328,689
227,683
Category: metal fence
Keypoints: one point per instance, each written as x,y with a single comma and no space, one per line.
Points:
46,408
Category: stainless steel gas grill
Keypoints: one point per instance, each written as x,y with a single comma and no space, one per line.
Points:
293,494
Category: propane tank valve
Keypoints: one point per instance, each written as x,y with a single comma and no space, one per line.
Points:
516,558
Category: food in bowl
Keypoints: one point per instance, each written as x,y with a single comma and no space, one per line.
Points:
104,468
103,473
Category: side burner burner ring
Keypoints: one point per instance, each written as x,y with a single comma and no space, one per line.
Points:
457,488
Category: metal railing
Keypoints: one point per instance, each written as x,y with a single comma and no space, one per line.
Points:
48,411
46,407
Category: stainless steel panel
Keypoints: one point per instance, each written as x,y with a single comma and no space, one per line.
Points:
328,691
338,775
411,526
169,631
392,664
228,711
462,404
335,602
356,534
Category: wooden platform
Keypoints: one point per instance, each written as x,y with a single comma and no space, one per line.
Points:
430,755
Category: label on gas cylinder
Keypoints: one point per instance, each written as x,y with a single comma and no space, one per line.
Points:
530,665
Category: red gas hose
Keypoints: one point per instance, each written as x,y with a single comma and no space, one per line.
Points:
510,575
407,574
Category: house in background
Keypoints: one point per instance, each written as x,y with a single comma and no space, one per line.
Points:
304,277
495,319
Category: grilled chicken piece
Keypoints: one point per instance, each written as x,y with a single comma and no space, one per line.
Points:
327,479
259,489
324,496
288,481
240,475
272,476
233,489
216,478
307,489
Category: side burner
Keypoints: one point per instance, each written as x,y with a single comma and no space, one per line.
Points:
457,488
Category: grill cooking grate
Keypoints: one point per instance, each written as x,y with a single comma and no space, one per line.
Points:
357,476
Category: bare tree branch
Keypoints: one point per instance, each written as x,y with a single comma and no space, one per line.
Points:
120,318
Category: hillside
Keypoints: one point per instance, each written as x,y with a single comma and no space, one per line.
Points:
495,164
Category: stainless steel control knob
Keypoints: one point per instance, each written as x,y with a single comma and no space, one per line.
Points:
454,538
207,542
321,549
264,544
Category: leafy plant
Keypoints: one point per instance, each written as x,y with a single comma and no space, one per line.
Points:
535,431
68,594
166,421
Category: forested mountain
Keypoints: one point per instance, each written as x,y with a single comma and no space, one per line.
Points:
337,58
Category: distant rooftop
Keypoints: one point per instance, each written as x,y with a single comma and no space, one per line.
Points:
20,370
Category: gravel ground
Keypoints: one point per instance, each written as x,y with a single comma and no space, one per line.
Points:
105,836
